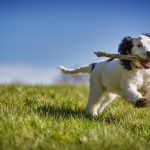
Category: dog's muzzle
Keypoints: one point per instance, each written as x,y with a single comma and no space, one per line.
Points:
146,63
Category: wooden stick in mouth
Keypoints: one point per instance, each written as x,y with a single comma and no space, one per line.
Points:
118,56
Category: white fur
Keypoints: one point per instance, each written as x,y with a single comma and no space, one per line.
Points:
109,79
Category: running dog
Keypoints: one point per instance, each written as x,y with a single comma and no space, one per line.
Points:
113,77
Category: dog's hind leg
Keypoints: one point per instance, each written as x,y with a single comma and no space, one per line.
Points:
107,99
95,94
93,103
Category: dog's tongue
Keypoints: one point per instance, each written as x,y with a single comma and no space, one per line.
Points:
146,63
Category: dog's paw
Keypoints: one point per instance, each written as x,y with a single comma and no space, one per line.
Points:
142,102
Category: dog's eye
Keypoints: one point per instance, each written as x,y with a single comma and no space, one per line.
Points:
140,45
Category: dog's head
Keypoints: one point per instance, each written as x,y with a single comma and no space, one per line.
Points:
139,46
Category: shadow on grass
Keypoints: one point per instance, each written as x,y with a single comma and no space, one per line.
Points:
68,113
59,112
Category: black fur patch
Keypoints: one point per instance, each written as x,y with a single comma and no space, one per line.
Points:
93,66
125,49
147,34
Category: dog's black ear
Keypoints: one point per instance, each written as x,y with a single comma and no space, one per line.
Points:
125,48
147,34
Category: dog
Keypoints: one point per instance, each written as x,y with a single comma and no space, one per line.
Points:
113,77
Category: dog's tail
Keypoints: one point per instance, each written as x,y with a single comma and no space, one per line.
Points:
82,69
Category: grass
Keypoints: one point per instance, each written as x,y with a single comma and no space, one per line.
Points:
53,118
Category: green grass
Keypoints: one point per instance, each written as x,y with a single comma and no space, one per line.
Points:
52,117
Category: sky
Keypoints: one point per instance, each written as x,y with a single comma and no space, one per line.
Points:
36,36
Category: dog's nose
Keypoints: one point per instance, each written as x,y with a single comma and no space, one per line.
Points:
148,53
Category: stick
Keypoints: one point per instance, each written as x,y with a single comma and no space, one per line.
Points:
125,57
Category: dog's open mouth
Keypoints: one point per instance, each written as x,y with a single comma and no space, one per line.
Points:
146,64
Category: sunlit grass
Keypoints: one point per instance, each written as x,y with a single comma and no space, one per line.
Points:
53,117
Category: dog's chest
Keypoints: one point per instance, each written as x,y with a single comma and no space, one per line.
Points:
146,78
140,80
136,80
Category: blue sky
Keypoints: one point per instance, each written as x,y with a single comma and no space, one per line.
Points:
44,34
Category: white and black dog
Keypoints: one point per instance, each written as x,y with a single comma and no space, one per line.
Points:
109,78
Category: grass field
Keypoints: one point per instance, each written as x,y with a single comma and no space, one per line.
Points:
53,118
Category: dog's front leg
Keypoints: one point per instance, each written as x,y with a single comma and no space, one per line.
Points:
135,97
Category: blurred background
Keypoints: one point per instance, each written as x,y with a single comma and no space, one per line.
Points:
36,36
